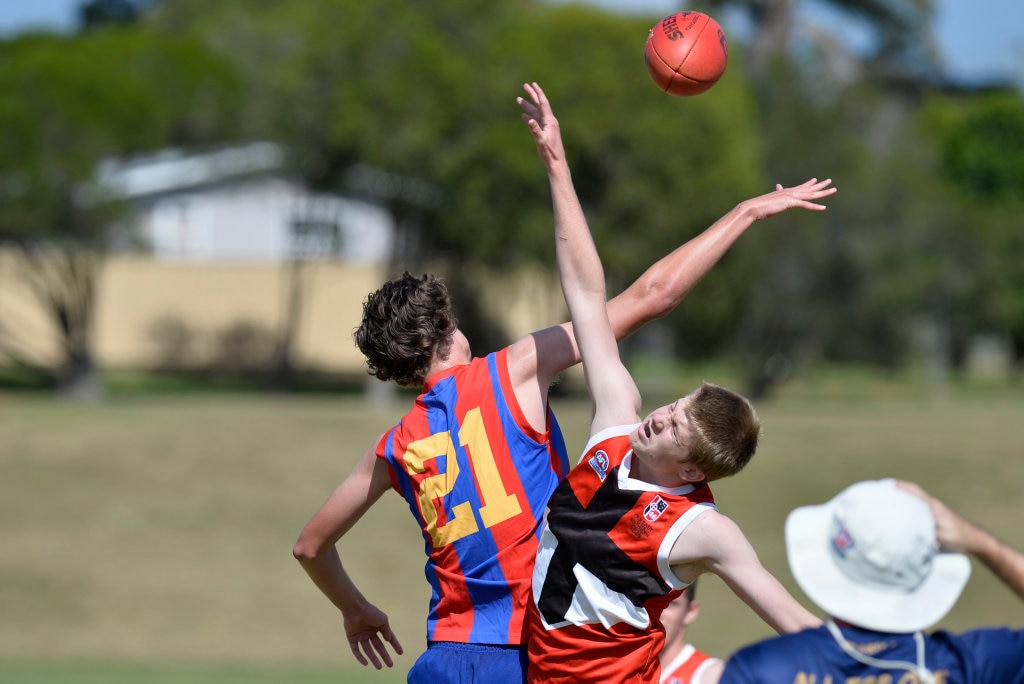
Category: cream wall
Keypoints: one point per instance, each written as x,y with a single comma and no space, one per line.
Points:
137,296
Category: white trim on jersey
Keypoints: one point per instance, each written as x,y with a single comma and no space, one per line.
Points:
678,662
671,537
628,483
607,433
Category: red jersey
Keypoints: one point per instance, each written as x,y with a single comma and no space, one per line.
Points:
687,667
602,576
476,477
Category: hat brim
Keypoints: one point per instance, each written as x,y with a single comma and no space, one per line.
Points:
808,531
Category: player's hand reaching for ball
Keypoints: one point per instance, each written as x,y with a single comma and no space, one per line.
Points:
801,196
543,125
367,631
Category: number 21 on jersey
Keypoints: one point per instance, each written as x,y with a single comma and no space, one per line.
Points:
498,504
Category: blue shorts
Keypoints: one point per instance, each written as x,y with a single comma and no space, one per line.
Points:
447,662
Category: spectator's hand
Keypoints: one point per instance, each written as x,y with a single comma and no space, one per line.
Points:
956,533
798,197
952,531
367,631
543,125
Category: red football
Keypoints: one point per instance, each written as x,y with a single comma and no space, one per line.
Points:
686,53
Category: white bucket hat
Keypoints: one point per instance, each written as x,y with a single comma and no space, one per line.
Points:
869,557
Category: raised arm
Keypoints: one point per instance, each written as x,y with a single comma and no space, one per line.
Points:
536,359
956,533
614,394
715,543
366,625
660,289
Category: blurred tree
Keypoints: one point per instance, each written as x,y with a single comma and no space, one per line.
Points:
981,155
899,46
414,105
81,100
846,108
98,13
901,255
983,147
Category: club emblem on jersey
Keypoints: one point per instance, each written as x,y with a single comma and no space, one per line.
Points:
842,542
654,509
599,462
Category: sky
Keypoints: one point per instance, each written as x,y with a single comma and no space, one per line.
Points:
979,40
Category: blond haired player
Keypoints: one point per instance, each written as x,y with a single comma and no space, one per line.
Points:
635,522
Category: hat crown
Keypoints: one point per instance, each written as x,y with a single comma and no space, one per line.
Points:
869,556
883,537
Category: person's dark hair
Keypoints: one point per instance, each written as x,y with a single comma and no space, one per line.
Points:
405,323
727,430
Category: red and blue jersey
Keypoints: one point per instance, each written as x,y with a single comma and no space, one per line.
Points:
476,477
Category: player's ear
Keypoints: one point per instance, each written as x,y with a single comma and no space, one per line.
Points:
691,473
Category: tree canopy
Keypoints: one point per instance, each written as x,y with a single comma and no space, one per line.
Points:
423,96
81,100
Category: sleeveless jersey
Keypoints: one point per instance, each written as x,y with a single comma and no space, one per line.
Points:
981,656
476,477
687,667
602,576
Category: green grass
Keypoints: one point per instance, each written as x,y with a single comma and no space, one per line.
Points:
148,539
121,673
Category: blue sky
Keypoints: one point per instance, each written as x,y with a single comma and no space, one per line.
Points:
979,39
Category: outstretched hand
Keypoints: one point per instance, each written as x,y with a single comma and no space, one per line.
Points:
802,196
542,123
367,633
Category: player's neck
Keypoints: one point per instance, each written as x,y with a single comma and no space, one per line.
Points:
438,365
640,471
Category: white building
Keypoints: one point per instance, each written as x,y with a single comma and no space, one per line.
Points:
237,204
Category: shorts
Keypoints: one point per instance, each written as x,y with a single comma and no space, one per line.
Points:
448,662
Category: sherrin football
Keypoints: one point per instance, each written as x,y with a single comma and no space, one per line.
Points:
686,53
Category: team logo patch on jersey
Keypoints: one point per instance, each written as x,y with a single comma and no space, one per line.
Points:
654,509
842,542
599,462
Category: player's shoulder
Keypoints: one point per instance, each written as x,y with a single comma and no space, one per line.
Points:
717,525
545,352
521,355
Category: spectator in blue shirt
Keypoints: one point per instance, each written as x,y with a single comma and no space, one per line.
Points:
886,561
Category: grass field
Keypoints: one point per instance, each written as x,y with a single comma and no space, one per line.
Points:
148,539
